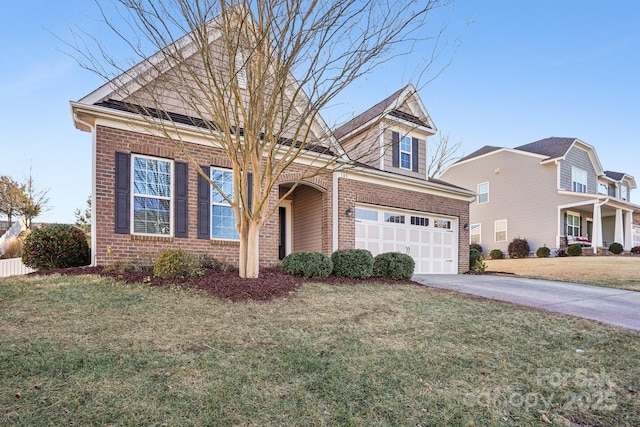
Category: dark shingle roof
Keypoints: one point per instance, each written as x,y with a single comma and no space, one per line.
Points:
484,150
552,147
375,112
614,175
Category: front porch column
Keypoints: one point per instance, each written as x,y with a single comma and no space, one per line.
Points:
627,230
618,237
596,232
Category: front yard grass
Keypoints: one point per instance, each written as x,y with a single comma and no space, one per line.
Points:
87,351
622,272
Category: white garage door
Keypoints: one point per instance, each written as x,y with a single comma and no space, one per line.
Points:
430,239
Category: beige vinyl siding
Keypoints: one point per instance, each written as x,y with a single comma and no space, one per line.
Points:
364,147
307,219
521,190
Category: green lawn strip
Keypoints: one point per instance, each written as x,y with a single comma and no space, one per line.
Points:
627,285
93,351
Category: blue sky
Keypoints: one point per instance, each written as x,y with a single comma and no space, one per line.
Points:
522,71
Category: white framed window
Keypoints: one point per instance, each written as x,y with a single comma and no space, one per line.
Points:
366,214
578,180
152,195
223,223
475,233
405,152
500,230
420,220
603,189
624,192
483,193
442,223
573,224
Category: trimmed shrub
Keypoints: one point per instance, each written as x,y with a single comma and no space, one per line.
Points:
55,246
496,254
474,256
543,252
313,265
635,250
616,248
393,265
518,248
476,246
353,263
176,264
574,250
209,262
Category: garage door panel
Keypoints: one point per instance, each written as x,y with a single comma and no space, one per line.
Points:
433,249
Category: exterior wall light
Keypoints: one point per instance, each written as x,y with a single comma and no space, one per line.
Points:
349,212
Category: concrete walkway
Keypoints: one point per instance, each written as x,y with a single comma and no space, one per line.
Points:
607,305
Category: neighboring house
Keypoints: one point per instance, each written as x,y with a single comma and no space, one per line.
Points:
383,205
550,192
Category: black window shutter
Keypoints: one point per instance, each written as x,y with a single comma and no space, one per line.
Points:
395,149
181,199
204,206
122,196
415,155
250,192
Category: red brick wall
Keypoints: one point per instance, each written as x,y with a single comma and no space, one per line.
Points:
352,192
112,246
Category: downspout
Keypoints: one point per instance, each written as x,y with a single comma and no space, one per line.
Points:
334,221
94,246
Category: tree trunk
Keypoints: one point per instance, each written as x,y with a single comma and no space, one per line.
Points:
249,250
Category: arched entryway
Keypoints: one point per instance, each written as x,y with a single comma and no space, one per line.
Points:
300,219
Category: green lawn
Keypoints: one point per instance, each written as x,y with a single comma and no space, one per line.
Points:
93,351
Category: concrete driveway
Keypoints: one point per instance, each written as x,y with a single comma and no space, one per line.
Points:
607,305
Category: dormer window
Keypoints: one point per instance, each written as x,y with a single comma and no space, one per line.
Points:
603,189
624,192
405,152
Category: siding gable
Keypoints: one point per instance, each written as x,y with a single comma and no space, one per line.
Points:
579,158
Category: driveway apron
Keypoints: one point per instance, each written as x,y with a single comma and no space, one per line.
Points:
608,305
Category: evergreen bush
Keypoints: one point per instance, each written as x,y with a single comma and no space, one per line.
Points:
474,257
496,254
574,250
56,246
393,265
616,248
353,263
543,252
176,264
313,265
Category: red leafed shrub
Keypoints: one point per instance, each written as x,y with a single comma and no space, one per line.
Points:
55,246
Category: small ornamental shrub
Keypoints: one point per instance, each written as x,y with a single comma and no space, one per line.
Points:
353,263
313,265
518,248
496,254
574,250
393,265
55,246
635,250
616,248
474,256
476,246
176,264
208,262
543,252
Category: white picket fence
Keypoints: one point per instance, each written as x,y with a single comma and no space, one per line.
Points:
13,267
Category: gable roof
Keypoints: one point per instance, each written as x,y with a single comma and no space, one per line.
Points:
480,152
620,176
389,106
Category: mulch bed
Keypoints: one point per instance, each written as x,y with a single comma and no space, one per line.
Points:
271,284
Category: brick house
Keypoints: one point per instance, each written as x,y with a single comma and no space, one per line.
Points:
148,195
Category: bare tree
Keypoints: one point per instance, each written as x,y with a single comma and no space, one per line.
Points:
252,76
35,201
442,155
12,197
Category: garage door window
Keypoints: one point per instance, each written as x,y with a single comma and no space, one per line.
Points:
366,214
420,220
442,223
395,218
